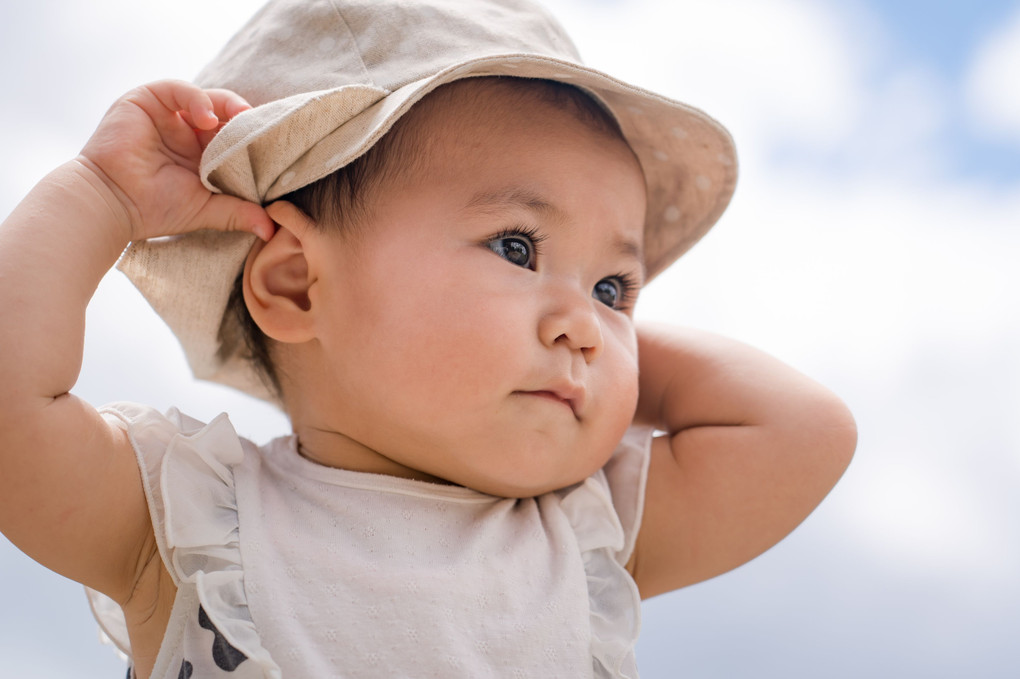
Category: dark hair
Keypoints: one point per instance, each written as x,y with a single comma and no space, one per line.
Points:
342,201
338,201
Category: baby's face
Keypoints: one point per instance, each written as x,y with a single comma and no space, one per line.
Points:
479,325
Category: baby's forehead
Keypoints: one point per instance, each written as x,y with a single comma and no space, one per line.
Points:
466,130
432,125
462,100
540,150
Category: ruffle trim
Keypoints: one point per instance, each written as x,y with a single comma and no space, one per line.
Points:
189,483
200,511
605,544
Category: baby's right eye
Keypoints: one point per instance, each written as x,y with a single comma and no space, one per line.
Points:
519,247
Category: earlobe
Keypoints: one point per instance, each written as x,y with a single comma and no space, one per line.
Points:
277,278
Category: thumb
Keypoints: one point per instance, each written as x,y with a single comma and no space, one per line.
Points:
229,213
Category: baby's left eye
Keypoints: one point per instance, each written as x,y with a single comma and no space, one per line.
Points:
608,292
518,246
615,291
514,250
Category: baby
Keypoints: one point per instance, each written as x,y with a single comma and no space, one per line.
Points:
424,243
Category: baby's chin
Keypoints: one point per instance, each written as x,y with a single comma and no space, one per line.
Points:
524,483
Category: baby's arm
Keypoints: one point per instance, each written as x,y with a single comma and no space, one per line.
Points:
70,491
752,447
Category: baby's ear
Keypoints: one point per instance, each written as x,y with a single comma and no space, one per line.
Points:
277,277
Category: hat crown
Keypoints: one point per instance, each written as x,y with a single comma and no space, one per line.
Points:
329,78
294,46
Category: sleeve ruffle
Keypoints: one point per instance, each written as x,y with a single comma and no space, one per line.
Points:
605,512
187,470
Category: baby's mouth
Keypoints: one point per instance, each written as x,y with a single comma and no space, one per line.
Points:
567,397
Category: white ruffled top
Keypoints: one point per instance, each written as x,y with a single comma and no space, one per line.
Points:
285,568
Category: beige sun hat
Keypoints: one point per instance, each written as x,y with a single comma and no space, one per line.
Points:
328,78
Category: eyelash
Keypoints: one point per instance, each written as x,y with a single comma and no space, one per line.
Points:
626,283
628,290
528,233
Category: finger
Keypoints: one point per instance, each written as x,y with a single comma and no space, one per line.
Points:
228,213
178,96
161,102
206,136
203,117
181,97
227,104
203,136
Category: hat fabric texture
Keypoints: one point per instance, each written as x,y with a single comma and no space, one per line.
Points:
328,78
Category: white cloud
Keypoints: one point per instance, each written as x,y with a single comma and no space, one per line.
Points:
900,294
887,280
992,91
785,68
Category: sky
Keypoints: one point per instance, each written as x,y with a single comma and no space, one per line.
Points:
870,244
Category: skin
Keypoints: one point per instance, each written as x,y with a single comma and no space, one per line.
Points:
502,353
414,348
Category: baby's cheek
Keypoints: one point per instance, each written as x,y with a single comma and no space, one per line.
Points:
617,386
624,375
628,400
624,390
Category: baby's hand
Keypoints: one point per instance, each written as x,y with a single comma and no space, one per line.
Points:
147,150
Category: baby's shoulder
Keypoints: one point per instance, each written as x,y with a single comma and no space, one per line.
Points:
155,434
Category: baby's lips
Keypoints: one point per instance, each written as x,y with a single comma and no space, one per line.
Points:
567,392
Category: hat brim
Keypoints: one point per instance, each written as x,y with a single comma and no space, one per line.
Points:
688,159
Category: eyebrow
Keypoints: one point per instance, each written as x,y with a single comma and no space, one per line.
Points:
632,250
518,197
512,197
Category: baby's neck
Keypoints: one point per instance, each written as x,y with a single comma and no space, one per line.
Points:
339,451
